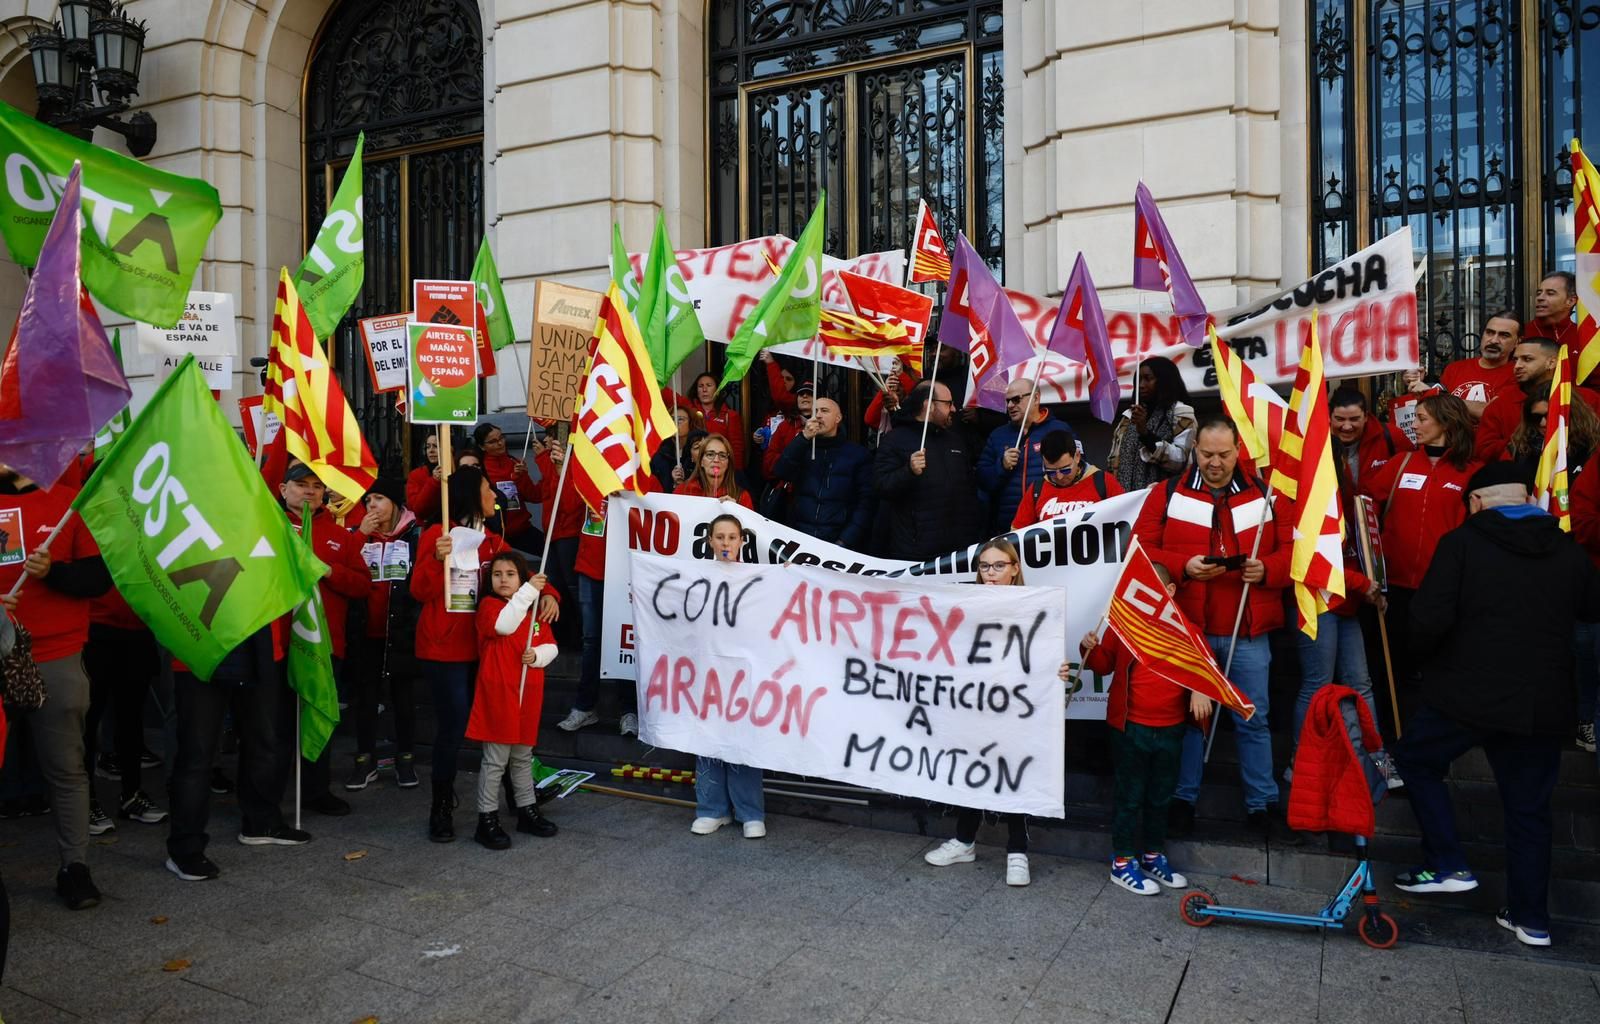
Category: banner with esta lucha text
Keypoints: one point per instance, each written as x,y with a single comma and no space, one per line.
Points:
1081,552
937,691
1367,308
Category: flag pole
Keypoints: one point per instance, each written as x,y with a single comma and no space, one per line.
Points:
297,759
527,396
816,374
933,378
45,546
1388,670
442,432
544,555
1238,617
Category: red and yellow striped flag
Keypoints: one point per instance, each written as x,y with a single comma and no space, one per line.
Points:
1550,482
848,334
621,420
1149,622
1586,251
1257,410
319,427
1317,563
930,260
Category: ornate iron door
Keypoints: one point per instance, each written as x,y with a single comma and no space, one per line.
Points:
410,74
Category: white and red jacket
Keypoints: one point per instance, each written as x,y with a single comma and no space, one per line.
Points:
1181,518
1046,500
1419,501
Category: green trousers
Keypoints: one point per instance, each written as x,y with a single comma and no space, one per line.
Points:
1146,763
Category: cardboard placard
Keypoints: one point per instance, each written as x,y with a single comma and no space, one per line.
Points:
254,420
12,551
208,328
218,370
563,322
443,385
386,340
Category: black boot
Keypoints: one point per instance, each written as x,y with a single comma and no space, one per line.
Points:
529,820
440,828
490,835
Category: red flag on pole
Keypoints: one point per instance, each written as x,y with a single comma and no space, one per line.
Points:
1152,626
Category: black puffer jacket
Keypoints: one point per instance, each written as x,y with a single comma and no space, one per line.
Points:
1492,623
936,512
832,490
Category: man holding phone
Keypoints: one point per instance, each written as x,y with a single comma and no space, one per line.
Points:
1215,531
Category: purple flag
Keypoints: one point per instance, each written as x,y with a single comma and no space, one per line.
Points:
60,381
1157,267
978,319
1080,335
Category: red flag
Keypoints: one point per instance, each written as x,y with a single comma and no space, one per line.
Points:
1150,623
930,260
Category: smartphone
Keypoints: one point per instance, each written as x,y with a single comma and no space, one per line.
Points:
1228,562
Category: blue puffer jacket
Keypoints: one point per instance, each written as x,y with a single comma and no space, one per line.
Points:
832,498
1002,489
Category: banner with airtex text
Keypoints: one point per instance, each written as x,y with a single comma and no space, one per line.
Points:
1366,303
936,691
1081,551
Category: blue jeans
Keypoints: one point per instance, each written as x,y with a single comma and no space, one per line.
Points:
1251,660
451,683
1525,770
1338,654
591,605
721,789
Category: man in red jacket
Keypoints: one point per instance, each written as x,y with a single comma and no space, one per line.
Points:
1216,533
1070,482
348,580
1553,304
1533,364
1360,441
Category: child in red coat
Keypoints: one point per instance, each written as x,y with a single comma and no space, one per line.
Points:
513,649
1149,715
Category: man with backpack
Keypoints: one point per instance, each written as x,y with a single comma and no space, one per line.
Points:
1070,483
1218,534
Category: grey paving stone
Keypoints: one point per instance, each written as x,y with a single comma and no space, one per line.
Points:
606,946
447,959
506,995
1255,974
1091,973
1503,989
962,979
815,985
1408,984
341,996
662,990
20,1007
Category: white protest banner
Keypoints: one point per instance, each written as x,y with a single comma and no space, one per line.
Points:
255,422
218,370
387,344
1081,552
936,691
1366,305
207,328
726,282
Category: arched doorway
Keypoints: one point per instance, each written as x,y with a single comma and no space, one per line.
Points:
410,74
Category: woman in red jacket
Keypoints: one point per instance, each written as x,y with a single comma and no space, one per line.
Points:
1421,496
713,476
422,486
719,417
447,635
510,477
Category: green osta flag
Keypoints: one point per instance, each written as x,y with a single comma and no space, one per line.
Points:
622,270
665,313
192,538
329,278
792,308
492,298
112,432
311,664
144,230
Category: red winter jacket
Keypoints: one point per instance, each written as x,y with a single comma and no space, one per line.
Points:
1330,791
1379,443
1158,703
1585,504
1501,416
422,495
1179,521
569,511
445,635
1419,503
349,578
591,560
506,475
877,417
1046,501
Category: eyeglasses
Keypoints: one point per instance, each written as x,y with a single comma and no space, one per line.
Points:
1014,399
1055,474
942,401
994,567
714,456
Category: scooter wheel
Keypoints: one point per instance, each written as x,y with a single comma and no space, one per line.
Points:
1378,930
1190,908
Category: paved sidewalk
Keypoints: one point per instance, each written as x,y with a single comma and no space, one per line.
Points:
627,917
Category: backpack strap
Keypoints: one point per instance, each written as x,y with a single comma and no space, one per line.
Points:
1100,485
1396,488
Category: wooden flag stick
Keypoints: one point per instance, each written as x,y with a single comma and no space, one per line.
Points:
1388,670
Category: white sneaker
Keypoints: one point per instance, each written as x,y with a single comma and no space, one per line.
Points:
576,720
630,724
706,826
1385,764
1017,869
951,851
755,829
99,824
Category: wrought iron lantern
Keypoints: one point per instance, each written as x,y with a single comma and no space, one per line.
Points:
86,68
